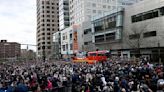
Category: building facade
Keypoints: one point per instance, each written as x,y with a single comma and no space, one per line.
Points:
143,29
67,42
87,44
83,10
9,50
107,30
47,24
63,14
57,45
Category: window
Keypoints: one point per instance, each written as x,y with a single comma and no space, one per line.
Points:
48,7
48,33
66,46
70,36
49,47
63,37
48,20
85,43
48,29
48,38
63,47
48,11
43,42
86,31
104,6
162,11
94,11
71,47
110,36
149,34
93,5
43,29
147,15
48,42
43,38
48,24
99,38
134,36
47,2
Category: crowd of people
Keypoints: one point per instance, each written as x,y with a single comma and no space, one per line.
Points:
110,76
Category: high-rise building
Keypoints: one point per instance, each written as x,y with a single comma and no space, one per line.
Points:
84,10
63,14
47,24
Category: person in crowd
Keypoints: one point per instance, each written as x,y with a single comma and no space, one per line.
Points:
110,76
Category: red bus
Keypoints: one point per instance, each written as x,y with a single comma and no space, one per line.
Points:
98,56
94,56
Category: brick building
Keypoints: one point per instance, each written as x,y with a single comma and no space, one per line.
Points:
9,50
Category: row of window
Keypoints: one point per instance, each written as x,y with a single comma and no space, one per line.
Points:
107,37
64,37
105,26
47,29
145,35
48,7
48,2
87,43
44,43
86,31
53,16
148,15
65,47
43,38
44,47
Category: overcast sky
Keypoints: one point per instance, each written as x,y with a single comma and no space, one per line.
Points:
18,21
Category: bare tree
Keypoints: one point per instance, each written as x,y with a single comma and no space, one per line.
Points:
134,37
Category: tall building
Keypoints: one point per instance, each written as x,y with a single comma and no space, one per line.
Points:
63,14
143,30
83,10
47,24
9,50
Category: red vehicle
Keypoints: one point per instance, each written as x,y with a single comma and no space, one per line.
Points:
93,57
98,56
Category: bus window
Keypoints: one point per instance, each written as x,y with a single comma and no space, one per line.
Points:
92,54
101,55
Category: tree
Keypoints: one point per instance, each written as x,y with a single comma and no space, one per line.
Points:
134,38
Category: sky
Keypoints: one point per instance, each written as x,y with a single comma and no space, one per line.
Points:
18,21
